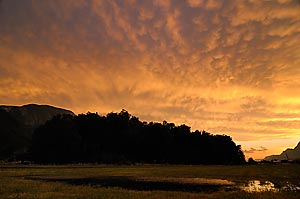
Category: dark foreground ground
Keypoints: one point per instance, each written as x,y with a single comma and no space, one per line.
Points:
150,181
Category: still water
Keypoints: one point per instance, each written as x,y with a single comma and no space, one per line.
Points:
174,183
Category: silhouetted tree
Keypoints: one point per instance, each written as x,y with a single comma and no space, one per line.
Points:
57,141
123,138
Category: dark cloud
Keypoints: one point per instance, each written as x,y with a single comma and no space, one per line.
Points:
253,150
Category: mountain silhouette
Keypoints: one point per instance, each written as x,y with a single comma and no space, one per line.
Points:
17,124
288,154
34,115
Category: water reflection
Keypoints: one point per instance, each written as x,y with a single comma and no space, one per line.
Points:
258,186
290,187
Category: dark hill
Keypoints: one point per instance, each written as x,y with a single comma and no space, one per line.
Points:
14,137
34,115
17,124
288,154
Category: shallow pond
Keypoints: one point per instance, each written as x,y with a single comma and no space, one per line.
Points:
209,181
171,183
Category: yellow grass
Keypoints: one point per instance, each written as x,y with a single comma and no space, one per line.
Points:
17,181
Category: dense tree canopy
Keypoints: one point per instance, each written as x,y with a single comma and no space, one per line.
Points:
122,138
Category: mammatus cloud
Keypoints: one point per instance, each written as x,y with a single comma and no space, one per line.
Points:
195,3
228,67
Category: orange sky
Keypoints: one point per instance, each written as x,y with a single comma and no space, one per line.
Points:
228,67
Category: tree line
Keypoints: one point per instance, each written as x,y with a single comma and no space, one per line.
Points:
123,138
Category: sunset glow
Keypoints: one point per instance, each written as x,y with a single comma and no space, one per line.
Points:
225,66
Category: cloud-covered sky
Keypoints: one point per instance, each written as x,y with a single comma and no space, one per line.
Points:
225,66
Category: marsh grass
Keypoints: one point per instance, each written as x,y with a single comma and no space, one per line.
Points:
16,180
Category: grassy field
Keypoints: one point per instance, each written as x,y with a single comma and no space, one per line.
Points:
107,181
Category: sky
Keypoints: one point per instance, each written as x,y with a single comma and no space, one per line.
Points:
225,66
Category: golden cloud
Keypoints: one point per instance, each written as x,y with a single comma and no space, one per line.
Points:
228,67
